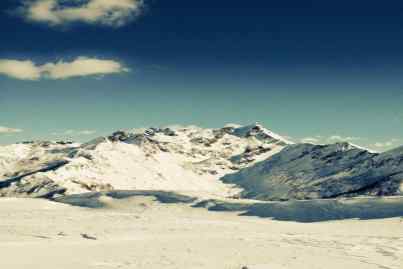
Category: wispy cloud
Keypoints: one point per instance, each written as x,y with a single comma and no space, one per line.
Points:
343,138
113,13
74,133
8,130
360,142
310,140
81,66
319,139
386,144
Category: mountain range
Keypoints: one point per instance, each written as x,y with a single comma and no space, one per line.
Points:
233,161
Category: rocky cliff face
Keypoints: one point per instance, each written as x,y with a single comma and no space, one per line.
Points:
306,171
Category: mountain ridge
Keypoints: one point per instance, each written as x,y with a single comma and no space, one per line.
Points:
233,161
307,171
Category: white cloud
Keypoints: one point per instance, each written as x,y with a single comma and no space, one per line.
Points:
81,66
319,139
310,140
364,143
383,144
387,144
60,12
25,70
343,138
8,130
75,133
87,132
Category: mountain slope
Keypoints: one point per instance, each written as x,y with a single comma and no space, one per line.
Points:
306,171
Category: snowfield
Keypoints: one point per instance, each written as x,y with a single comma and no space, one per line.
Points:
141,233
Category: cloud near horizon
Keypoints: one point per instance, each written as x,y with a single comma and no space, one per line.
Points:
310,140
387,144
74,133
362,142
80,67
114,13
8,130
319,139
343,138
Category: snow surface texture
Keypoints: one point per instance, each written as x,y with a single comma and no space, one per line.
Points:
143,233
187,159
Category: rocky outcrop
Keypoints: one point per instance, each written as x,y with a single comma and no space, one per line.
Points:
32,183
306,171
249,155
33,188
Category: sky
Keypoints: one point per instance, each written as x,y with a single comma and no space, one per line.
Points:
313,71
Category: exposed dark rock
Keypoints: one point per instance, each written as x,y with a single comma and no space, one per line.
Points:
42,168
255,130
204,141
119,136
169,132
89,237
90,145
34,187
249,155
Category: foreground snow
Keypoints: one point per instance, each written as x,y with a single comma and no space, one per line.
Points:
140,233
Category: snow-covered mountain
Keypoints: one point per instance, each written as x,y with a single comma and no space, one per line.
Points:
246,161
307,171
187,159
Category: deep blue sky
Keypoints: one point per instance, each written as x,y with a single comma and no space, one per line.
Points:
301,68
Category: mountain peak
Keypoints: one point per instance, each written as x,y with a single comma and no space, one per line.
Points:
260,132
